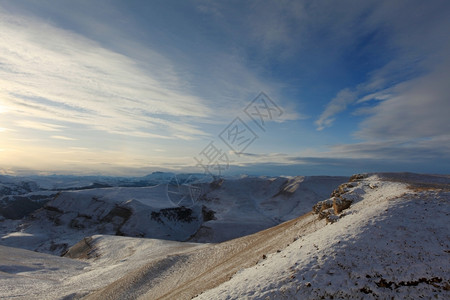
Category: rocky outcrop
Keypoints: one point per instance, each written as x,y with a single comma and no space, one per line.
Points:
340,204
357,177
323,208
341,199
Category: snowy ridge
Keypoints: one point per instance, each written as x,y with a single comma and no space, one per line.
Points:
247,205
393,242
20,196
228,208
73,215
27,274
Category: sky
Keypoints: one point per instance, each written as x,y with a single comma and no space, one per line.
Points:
226,87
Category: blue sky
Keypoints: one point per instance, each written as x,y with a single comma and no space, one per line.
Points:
131,87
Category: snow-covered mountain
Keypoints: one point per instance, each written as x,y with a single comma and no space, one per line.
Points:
19,196
379,236
392,241
225,209
91,264
247,205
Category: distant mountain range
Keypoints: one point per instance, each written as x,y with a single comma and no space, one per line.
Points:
50,214
376,236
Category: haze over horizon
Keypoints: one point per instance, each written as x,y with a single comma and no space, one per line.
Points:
131,87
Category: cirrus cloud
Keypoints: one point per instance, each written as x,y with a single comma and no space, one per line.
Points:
48,73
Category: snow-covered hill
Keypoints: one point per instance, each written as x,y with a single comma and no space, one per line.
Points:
72,215
379,236
393,242
27,274
227,208
20,196
247,205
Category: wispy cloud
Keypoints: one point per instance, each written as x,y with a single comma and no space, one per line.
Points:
55,74
61,137
336,105
411,89
418,108
122,91
39,125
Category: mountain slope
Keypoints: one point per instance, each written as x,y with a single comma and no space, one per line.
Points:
392,242
389,240
97,261
227,209
183,276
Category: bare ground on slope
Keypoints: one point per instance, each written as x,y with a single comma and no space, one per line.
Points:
189,274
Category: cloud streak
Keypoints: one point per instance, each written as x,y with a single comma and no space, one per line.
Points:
411,88
61,137
39,125
139,85
336,105
52,74
418,108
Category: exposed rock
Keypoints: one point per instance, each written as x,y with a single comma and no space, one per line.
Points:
322,205
208,214
181,213
339,204
325,213
330,209
342,189
357,177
